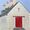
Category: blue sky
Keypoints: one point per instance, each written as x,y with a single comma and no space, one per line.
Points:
26,3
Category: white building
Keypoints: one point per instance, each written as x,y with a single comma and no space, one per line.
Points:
18,10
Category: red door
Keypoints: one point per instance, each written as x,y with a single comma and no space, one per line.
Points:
18,21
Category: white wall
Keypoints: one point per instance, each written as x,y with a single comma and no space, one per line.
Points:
3,23
28,27
21,12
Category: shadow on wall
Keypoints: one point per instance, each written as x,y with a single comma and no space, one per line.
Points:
19,29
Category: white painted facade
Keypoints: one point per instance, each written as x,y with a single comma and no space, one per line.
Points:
21,12
10,20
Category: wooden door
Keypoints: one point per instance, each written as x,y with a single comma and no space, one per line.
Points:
18,21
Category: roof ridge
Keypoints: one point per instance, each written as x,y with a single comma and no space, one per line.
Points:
24,6
7,9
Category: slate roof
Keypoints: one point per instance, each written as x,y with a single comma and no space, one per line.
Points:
8,10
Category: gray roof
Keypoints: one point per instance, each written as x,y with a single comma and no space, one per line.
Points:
7,10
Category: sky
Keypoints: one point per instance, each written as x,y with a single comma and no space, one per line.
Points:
26,3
